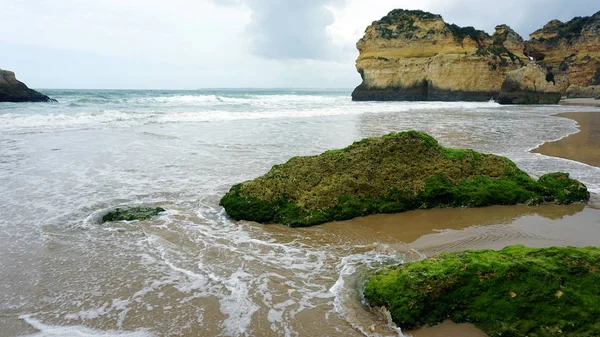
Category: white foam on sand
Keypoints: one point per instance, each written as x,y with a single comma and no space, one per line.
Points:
46,330
348,290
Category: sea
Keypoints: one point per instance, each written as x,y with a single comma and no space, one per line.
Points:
193,271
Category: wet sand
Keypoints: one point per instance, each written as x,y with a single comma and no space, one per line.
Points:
583,146
431,232
449,329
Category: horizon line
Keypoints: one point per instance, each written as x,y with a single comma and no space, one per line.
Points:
208,88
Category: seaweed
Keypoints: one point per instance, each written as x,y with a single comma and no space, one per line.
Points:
393,173
132,213
516,291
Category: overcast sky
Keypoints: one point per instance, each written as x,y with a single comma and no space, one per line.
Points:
191,44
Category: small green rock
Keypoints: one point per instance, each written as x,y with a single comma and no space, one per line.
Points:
132,213
516,291
390,174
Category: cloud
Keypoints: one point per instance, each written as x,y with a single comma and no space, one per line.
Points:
523,16
291,29
222,43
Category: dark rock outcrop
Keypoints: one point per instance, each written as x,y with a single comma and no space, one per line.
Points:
390,174
13,90
533,84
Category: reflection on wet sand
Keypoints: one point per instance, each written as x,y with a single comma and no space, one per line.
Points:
408,227
583,146
430,232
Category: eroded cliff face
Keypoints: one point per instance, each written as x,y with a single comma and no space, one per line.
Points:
570,49
532,84
415,55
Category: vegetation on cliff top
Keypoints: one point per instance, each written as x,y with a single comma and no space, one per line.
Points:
569,30
397,15
461,32
400,23
516,291
390,174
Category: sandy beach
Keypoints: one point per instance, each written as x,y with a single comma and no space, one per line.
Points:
433,232
583,146
193,271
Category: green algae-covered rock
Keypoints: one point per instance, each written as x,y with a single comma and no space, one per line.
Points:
132,213
390,174
516,291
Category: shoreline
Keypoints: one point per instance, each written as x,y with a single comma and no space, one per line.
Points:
583,146
435,231
589,102
432,232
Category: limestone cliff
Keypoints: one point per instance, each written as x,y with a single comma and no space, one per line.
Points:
415,55
13,90
570,49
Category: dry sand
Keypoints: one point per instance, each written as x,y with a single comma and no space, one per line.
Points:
583,146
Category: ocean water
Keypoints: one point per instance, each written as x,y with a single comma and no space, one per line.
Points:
192,271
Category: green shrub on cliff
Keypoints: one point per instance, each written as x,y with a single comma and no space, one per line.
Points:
394,173
516,291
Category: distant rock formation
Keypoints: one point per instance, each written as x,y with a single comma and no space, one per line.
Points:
571,50
13,90
533,84
415,55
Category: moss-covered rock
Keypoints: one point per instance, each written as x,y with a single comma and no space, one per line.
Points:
516,291
132,213
394,173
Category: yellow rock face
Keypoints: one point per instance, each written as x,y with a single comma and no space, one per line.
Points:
571,50
415,55
434,60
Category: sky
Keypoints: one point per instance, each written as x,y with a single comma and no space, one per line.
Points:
192,44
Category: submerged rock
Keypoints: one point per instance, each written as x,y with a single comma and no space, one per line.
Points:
132,213
533,84
12,90
516,291
394,173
